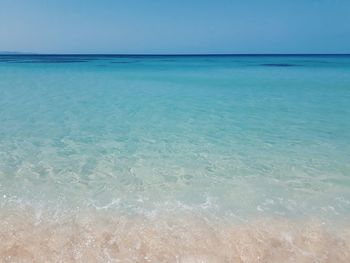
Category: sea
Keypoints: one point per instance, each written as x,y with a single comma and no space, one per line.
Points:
192,158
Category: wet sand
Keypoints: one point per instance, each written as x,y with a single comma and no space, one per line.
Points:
33,237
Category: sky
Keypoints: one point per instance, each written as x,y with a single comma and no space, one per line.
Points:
175,26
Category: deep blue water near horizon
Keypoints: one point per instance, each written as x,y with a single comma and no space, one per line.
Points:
236,138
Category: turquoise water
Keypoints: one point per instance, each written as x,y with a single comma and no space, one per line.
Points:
233,138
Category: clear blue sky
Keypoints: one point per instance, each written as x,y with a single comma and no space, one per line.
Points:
175,26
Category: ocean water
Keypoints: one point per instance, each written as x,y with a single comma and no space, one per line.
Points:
174,158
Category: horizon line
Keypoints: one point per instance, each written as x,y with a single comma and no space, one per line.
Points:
171,54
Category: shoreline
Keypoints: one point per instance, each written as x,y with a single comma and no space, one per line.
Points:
109,237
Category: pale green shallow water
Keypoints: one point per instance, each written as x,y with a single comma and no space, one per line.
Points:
239,135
